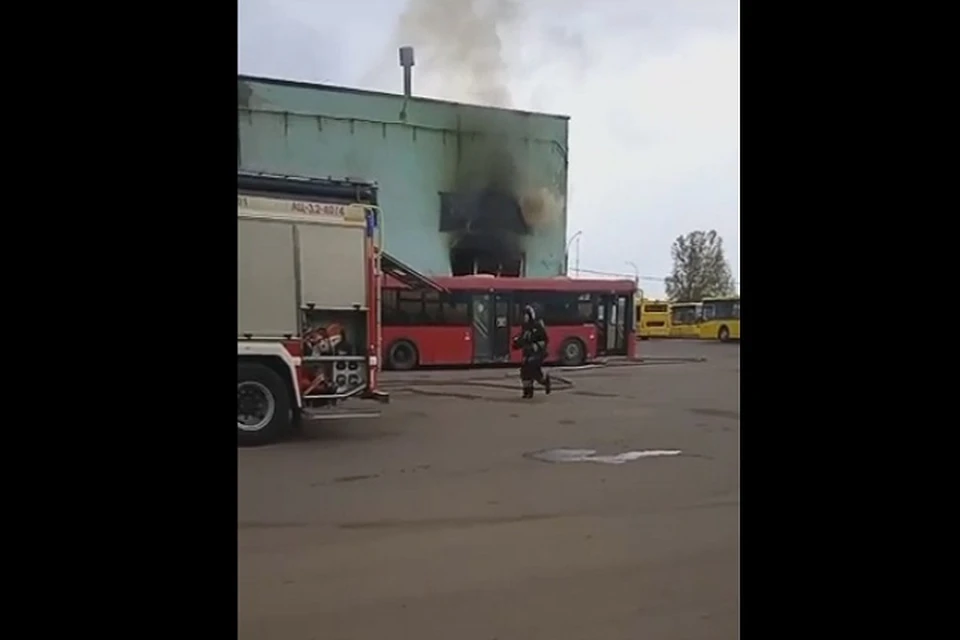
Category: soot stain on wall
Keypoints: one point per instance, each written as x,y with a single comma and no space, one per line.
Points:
492,208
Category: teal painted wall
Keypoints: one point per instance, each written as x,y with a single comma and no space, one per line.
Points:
317,131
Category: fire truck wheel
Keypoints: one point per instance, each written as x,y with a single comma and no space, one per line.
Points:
402,356
724,334
572,352
263,405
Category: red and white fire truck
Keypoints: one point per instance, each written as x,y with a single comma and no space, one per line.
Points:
309,268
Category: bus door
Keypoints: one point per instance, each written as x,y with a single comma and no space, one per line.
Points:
613,319
491,328
625,327
613,323
680,319
618,325
501,327
600,321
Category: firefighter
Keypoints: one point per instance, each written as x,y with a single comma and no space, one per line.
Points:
533,341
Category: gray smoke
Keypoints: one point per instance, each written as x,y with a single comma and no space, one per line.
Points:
468,51
459,43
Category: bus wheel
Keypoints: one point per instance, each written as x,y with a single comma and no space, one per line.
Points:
572,353
402,356
263,405
724,334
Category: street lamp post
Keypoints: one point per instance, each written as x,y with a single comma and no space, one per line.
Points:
636,271
566,253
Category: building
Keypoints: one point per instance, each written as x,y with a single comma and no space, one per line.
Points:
464,189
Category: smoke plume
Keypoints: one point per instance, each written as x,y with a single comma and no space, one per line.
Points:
459,43
540,207
468,51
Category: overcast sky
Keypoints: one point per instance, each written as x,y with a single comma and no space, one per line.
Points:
652,88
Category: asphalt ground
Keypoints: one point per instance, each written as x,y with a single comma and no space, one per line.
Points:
437,521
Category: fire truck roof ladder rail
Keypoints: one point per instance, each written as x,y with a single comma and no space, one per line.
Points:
346,191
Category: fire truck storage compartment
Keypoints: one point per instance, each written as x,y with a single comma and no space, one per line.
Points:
327,335
284,267
332,266
333,332
266,271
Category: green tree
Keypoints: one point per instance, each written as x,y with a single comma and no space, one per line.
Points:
700,269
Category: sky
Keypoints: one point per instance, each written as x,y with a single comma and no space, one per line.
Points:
652,88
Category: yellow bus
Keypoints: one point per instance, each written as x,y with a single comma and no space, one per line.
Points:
720,319
685,319
653,319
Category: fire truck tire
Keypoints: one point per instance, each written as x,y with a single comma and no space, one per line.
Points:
402,356
572,352
724,334
264,412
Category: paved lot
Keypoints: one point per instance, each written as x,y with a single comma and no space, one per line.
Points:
431,524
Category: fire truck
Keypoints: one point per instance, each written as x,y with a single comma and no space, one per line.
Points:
309,268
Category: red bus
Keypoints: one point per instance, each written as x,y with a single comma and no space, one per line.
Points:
473,320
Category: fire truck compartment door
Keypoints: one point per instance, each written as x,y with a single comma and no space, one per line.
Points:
266,297
332,265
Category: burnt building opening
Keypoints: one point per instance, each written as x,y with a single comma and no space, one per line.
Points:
487,229
478,254
467,262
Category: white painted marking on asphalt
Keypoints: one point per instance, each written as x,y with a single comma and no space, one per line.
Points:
590,455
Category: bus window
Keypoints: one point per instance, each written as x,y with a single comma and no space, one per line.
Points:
723,309
559,308
432,309
428,308
552,308
654,308
684,314
456,310
585,311
410,307
388,307
516,311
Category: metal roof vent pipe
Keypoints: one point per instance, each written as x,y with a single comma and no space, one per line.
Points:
406,61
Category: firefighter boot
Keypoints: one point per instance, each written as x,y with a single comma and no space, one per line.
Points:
527,391
546,384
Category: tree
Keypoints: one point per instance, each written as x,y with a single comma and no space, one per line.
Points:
700,269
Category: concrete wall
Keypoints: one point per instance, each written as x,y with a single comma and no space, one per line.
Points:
313,130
